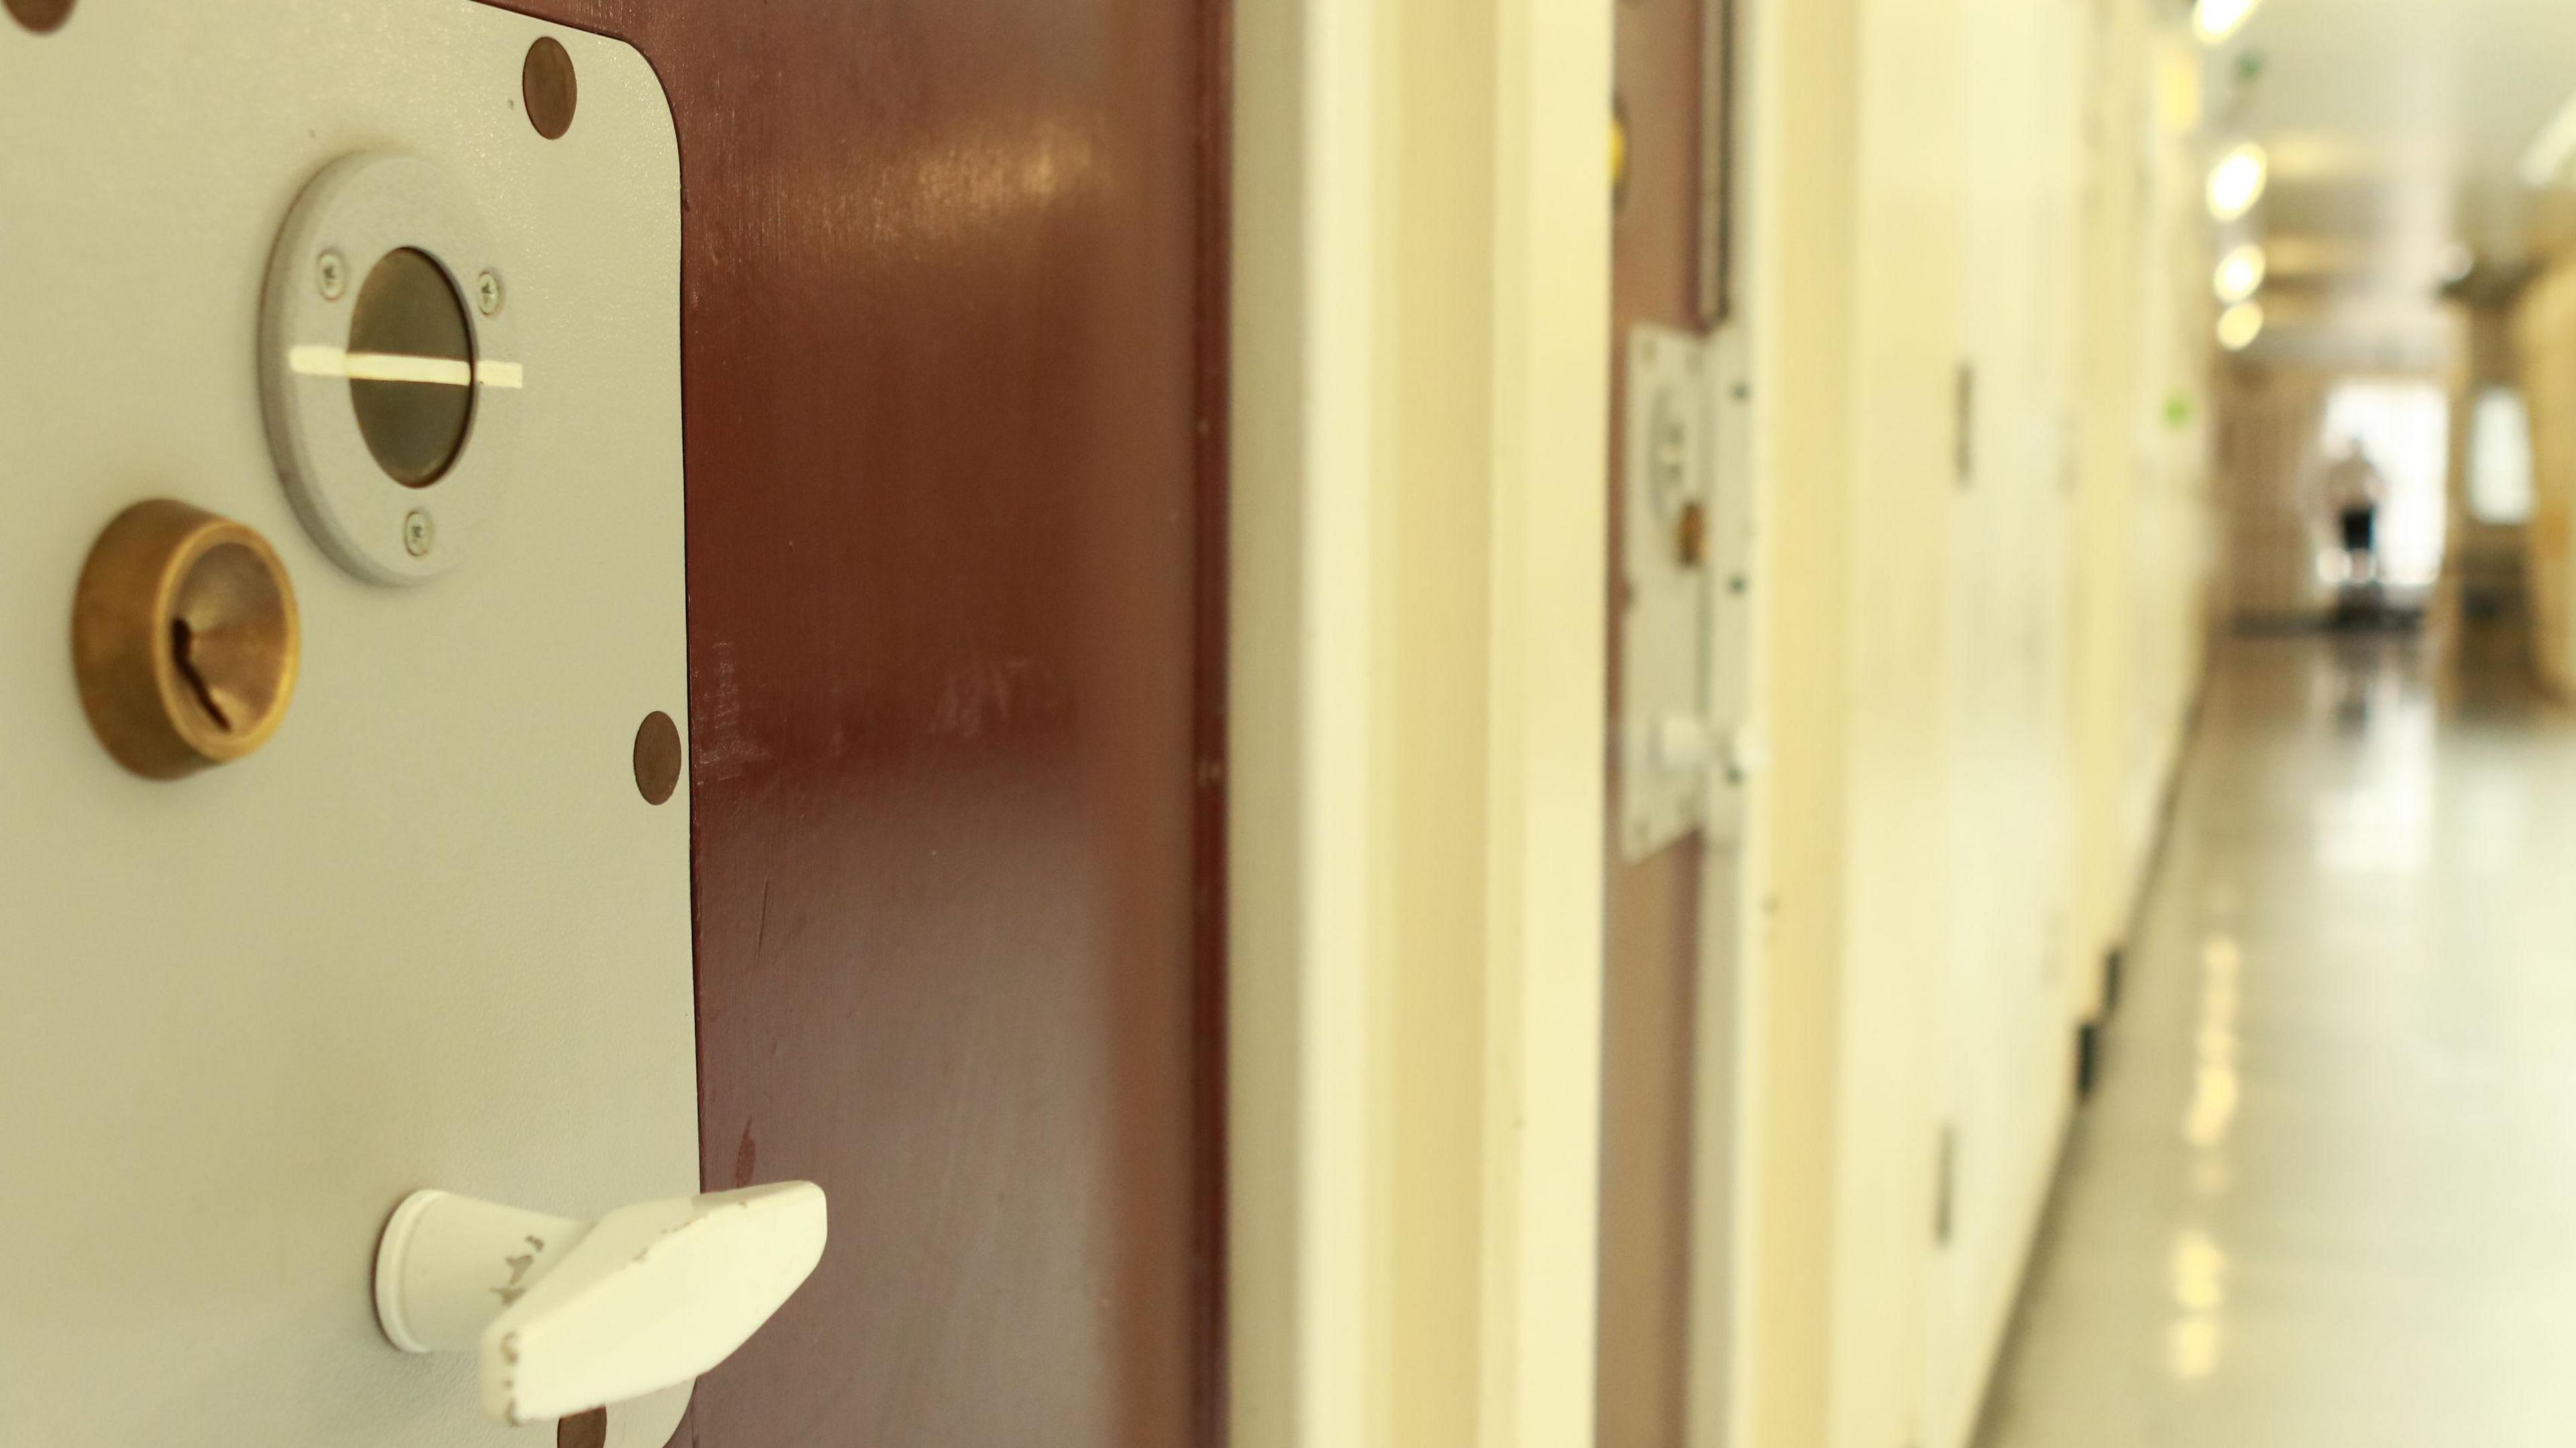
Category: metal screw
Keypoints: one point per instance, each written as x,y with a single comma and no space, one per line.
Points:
419,533
487,293
331,274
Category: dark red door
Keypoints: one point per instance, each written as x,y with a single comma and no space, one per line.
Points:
1652,952
952,346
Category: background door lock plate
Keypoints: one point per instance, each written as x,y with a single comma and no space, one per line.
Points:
1665,579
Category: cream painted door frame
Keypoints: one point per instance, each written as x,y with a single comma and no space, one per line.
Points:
1420,367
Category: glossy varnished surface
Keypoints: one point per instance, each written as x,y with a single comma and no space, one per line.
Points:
2324,1197
949,273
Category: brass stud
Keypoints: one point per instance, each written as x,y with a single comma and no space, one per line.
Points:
185,639
548,87
657,758
39,16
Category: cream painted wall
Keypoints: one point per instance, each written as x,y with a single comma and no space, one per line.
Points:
2545,334
1978,683
1905,352
2271,525
2003,1075
2484,559
2144,584
1974,687
1801,144
1420,354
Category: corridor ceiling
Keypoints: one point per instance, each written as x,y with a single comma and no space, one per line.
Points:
2396,129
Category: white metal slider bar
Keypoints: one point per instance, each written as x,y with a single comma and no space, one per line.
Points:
321,361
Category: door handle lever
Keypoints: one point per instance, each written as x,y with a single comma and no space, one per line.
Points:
565,1316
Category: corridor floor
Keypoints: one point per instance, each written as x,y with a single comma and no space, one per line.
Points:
2326,1193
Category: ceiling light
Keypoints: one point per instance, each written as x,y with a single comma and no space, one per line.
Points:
2241,273
2215,20
2237,181
2239,325
2545,162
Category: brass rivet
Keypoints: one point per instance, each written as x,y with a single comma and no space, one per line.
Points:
657,757
40,16
548,87
583,1430
184,639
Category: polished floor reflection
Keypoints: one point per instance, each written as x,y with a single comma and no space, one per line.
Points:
2326,1194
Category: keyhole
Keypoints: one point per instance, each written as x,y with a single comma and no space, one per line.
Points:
184,639
183,652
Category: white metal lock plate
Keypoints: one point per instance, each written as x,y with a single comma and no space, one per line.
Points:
431,935
1668,741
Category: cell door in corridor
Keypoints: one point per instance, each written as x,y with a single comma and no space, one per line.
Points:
907,398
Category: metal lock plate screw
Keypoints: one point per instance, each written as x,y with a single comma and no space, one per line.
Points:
331,275
487,293
420,534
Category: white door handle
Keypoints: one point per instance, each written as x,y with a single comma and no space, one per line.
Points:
566,1316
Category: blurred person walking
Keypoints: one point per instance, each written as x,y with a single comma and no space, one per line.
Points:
2354,488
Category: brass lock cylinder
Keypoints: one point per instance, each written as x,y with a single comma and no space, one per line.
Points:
184,639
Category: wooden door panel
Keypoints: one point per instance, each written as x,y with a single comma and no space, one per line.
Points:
1651,959
952,358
